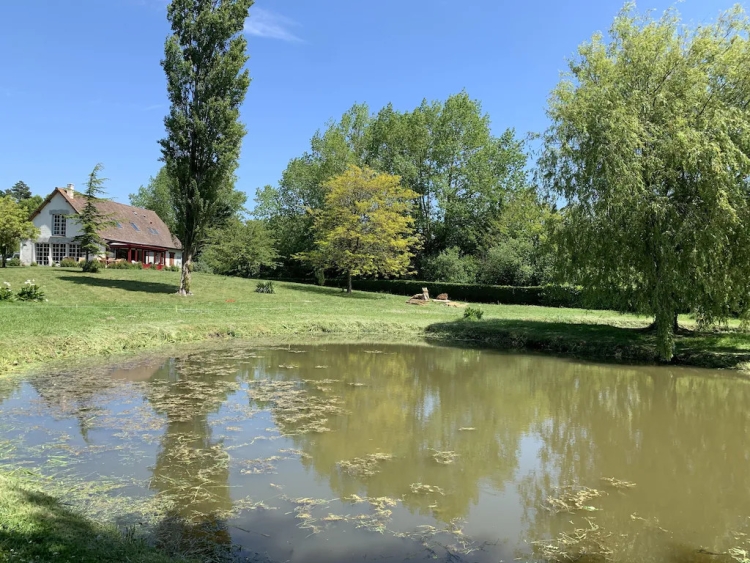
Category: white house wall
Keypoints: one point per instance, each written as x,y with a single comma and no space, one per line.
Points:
43,221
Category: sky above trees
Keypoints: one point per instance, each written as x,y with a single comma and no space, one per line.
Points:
82,81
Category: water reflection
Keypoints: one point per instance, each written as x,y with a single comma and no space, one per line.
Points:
514,428
410,405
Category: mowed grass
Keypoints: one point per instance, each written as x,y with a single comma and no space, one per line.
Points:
117,311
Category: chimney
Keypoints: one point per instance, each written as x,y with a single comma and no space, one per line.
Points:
71,191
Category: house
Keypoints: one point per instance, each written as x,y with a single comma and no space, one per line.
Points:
136,235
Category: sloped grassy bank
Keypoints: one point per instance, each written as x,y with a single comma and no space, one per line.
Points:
35,526
123,311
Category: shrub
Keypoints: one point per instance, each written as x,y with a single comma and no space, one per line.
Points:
68,262
449,266
473,314
33,264
508,263
201,265
92,266
6,294
125,265
265,287
30,291
172,268
14,262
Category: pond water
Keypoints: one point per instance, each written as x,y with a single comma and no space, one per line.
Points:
359,452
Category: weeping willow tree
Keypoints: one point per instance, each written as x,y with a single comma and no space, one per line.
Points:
649,146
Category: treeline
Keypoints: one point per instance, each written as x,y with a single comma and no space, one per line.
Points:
477,217
476,214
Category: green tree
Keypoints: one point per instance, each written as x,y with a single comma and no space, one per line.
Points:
157,196
364,226
239,248
90,219
20,191
301,186
206,83
14,226
516,249
31,204
650,148
473,172
450,266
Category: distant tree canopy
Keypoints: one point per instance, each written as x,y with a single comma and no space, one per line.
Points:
31,204
516,249
650,148
157,197
20,191
21,194
239,248
442,151
364,226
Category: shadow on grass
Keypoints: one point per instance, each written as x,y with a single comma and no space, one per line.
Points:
333,292
598,342
37,527
125,285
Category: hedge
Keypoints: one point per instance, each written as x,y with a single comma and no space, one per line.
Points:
546,295
459,291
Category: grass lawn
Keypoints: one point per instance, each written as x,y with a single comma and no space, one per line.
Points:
117,311
37,527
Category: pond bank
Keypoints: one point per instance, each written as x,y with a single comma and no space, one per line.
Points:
125,311
38,527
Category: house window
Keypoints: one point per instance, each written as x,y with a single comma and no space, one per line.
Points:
58,225
42,253
153,231
58,252
135,226
118,225
74,251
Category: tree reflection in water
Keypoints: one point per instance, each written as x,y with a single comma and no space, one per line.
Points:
518,427
192,467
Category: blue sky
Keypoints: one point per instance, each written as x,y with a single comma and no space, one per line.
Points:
81,81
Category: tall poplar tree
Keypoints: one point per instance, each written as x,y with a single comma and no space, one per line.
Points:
650,148
204,61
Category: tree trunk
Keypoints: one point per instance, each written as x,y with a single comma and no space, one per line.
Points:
675,325
187,260
665,323
348,282
3,259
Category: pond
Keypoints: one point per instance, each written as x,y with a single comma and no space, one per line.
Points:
357,452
